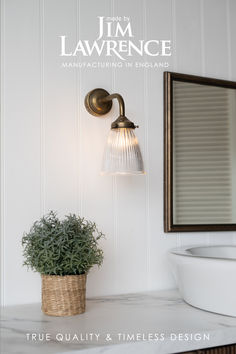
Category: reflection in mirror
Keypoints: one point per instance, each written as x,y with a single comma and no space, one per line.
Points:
204,154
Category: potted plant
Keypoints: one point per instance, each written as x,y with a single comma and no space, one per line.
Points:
62,251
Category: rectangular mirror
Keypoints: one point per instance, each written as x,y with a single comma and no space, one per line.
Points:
200,153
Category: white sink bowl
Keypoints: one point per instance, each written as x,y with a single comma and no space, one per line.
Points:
206,277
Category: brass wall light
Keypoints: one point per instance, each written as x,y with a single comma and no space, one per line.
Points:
122,154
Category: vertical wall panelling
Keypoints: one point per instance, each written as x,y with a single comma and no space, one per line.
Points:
59,109
51,148
146,150
216,61
215,34
173,34
174,63
21,143
187,27
97,189
78,126
131,189
114,178
189,60
203,66
229,39
159,25
42,123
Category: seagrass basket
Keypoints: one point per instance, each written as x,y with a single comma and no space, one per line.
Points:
63,295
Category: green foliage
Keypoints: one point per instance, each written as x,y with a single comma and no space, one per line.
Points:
62,247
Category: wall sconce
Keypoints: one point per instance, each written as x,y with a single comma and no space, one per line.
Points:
122,154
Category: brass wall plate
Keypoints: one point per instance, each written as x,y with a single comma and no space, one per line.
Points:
94,104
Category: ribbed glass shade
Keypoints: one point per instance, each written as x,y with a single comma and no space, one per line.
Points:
122,154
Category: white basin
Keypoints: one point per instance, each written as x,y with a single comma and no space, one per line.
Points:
206,277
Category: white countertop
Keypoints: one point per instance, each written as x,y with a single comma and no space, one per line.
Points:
163,315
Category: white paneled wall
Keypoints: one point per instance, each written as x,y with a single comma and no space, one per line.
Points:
51,148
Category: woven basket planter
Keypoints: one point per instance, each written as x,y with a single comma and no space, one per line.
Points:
63,295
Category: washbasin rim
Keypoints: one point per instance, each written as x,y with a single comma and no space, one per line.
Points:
185,251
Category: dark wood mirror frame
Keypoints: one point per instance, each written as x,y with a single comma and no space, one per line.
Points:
169,226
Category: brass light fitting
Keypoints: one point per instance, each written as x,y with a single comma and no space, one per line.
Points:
98,102
122,154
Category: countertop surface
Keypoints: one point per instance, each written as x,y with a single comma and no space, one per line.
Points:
152,322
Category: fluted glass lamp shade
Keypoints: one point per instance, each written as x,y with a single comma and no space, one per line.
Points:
122,154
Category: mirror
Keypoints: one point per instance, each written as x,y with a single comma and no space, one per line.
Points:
200,153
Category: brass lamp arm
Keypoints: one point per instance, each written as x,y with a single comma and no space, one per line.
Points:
98,102
119,99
